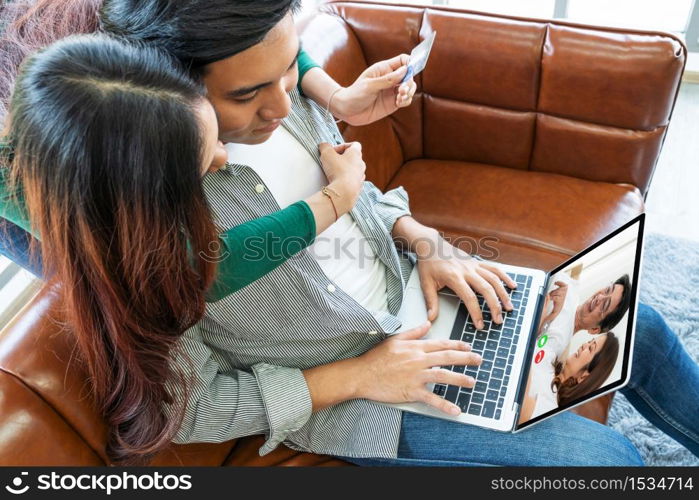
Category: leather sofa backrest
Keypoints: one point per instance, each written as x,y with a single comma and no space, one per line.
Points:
592,103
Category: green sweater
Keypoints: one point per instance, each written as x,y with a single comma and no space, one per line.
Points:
248,251
304,63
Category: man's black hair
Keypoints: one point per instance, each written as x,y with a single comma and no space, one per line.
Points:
196,32
612,319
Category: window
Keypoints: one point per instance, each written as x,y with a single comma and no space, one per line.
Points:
17,286
670,15
678,16
523,8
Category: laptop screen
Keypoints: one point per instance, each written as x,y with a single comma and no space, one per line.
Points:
582,343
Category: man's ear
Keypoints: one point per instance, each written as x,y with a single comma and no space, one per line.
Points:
594,331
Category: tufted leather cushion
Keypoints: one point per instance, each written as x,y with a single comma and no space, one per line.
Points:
541,219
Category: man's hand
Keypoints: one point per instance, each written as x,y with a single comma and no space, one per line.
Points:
398,369
443,265
376,93
558,298
453,268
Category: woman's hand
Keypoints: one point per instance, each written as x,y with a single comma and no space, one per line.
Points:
345,169
376,93
397,369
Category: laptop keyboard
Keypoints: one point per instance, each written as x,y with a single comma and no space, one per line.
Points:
496,343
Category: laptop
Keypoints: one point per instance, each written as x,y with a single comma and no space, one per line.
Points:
517,384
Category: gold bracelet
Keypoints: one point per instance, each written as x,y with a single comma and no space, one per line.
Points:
327,110
328,188
326,191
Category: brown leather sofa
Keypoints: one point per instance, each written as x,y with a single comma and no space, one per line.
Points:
527,141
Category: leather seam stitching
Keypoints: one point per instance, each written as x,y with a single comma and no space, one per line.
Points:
510,239
536,113
538,95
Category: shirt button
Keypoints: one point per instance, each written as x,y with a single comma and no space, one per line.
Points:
331,288
373,332
260,188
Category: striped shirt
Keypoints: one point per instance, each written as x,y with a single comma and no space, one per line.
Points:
245,358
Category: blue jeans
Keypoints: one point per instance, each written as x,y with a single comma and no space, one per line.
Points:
14,244
664,388
664,384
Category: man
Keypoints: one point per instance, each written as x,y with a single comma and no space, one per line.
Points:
601,312
298,355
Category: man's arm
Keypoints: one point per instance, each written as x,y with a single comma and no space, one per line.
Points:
439,263
389,206
277,400
267,399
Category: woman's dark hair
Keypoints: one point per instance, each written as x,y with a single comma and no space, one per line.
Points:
108,152
197,32
29,25
600,367
612,319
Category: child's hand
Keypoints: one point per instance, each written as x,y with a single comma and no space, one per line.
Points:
376,93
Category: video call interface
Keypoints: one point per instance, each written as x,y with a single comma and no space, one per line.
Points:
584,327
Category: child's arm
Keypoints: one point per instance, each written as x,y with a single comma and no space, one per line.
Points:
376,93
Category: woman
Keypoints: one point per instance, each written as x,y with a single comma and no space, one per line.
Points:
553,383
586,369
32,24
124,227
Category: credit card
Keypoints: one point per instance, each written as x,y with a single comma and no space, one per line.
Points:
419,56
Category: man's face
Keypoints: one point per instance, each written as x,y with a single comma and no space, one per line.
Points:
593,311
250,90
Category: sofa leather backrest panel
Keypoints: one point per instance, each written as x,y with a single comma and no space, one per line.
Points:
592,103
